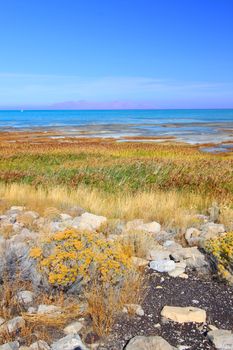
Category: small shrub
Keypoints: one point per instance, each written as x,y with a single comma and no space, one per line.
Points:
73,256
221,248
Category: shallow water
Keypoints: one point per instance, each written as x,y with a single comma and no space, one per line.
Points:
192,126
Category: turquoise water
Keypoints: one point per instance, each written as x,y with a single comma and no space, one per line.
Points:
195,126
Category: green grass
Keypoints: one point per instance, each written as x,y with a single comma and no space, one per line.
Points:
115,168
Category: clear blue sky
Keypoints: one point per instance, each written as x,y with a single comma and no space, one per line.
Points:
149,53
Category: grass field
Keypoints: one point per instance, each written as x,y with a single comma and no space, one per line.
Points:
121,180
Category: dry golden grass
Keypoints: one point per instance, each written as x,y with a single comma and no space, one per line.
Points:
68,313
134,289
103,307
171,209
106,302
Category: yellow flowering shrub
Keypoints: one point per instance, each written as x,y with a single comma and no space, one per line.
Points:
222,250
73,256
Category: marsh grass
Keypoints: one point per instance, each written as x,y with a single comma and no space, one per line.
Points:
163,182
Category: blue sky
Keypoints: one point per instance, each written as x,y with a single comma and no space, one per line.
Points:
104,53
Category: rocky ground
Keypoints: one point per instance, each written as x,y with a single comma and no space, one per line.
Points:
197,291
184,306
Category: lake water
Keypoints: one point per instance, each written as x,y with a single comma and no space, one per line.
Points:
190,125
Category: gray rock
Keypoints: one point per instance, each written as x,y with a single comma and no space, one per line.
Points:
172,246
148,343
163,236
192,236
70,342
163,265
192,256
10,346
15,324
214,212
222,339
212,230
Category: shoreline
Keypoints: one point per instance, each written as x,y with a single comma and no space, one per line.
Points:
67,135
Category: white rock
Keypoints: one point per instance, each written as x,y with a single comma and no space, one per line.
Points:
73,328
177,272
184,314
39,345
138,225
32,310
151,227
134,308
25,297
157,325
10,346
158,254
48,309
163,265
65,217
89,222
70,342
222,339
148,343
